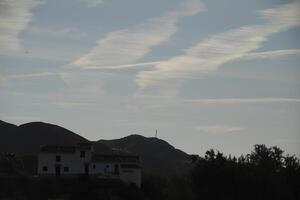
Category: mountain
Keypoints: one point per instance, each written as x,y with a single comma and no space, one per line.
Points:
4,126
27,138
157,155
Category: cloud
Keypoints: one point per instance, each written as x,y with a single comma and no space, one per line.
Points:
83,84
42,74
2,80
19,119
63,32
132,65
92,3
127,46
208,55
70,104
243,100
15,15
249,56
272,54
219,129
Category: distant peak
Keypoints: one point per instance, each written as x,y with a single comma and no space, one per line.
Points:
37,123
42,124
140,136
135,136
4,122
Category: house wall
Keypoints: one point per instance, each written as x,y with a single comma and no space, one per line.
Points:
128,175
73,161
87,158
102,168
76,165
131,176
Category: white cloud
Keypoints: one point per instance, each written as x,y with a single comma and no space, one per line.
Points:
47,50
83,84
42,74
272,54
63,32
19,119
219,129
15,15
132,65
249,56
127,46
208,55
2,81
92,3
70,104
244,100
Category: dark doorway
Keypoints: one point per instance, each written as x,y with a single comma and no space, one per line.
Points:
82,154
57,170
86,169
117,169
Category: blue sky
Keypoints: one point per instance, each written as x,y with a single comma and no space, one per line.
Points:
205,74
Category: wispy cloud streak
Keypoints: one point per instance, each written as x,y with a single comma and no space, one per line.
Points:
92,3
132,65
15,15
127,46
208,55
272,54
218,129
244,100
32,75
62,32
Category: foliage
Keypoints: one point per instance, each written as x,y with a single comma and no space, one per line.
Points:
265,173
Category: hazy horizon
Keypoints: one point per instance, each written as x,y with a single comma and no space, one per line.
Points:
204,73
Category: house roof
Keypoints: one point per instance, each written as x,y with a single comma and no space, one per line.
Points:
115,158
65,148
57,149
84,146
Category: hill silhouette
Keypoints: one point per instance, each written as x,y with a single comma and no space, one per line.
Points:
158,156
264,173
27,138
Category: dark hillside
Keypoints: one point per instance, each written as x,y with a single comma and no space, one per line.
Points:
157,155
27,138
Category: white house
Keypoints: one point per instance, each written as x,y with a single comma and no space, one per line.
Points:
81,159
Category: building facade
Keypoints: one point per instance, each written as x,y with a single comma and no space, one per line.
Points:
81,160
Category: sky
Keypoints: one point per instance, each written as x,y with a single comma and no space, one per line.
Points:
204,73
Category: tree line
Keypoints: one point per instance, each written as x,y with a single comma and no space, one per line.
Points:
264,173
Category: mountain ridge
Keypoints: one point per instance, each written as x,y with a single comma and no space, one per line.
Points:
157,155
13,137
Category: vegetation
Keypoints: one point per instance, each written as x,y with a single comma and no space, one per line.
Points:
265,173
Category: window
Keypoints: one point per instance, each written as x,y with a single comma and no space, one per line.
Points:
106,169
117,169
127,171
130,166
94,166
82,154
86,169
66,169
45,168
57,158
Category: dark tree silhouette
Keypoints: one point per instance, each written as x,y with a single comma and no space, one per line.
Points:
265,173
